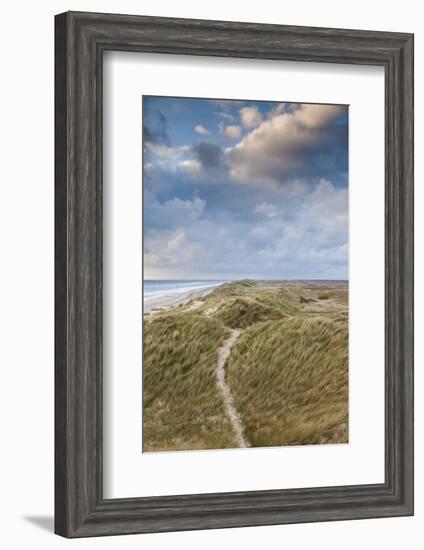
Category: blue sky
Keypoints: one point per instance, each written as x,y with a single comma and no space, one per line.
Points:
236,189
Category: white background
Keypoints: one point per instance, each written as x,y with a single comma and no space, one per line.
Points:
128,472
26,290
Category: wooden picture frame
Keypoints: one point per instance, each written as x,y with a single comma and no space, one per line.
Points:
81,39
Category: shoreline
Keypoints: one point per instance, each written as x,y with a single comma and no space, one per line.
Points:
169,301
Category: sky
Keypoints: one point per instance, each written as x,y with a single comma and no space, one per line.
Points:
244,189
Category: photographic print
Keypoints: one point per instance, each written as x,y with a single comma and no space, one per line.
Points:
245,273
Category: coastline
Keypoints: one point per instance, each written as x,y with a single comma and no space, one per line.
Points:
169,301
166,302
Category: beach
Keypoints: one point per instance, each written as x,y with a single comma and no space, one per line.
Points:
168,301
161,295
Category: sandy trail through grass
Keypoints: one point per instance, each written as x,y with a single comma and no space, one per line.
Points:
223,353
252,364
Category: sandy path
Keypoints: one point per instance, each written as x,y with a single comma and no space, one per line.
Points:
223,353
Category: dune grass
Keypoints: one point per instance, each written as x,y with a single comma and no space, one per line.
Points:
241,313
289,380
182,406
288,370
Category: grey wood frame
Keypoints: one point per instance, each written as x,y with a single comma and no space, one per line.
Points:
80,40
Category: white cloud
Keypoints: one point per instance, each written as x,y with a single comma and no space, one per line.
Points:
175,243
315,116
230,132
267,209
225,115
173,212
199,129
165,151
278,109
250,117
165,252
301,233
276,146
200,222
191,165
327,207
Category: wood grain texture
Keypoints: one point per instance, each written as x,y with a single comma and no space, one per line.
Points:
81,39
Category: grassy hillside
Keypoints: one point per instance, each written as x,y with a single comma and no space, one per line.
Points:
287,372
182,406
289,381
241,313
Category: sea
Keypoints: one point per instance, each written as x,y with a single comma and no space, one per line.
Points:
158,288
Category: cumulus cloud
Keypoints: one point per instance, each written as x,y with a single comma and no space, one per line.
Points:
208,154
230,132
165,151
328,208
307,236
250,117
285,107
191,165
287,220
199,129
298,235
172,213
289,144
166,253
155,128
316,116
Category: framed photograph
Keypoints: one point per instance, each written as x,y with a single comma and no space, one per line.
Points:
234,274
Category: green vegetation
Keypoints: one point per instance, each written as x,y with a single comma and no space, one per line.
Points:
287,371
182,406
241,313
289,381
